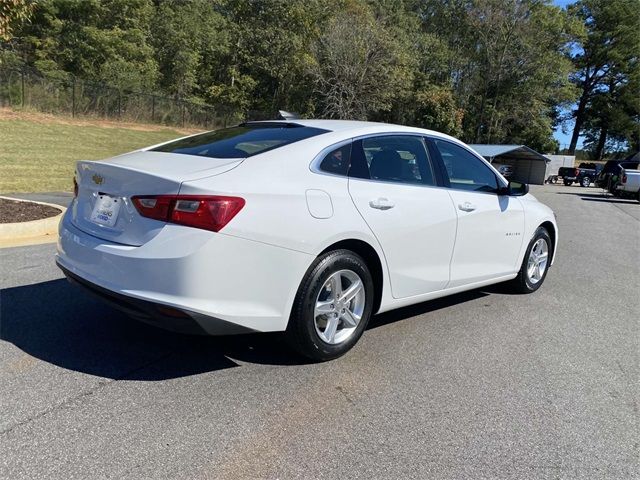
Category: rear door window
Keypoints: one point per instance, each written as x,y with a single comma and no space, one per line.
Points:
392,158
242,141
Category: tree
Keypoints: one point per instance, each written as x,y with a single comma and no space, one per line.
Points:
358,67
13,13
609,50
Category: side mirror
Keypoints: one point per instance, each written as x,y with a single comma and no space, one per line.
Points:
515,189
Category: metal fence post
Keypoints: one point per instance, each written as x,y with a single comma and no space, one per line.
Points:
22,89
73,97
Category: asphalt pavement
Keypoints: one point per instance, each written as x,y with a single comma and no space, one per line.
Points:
479,385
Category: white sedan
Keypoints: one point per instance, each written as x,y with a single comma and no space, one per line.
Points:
302,226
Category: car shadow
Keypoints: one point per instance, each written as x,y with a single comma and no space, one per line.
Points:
424,307
59,323
600,197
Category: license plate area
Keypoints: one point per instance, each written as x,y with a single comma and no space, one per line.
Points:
106,209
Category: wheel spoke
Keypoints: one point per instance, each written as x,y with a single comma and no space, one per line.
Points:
349,318
352,291
336,285
330,331
324,307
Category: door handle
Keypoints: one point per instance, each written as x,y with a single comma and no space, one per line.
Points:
467,207
381,203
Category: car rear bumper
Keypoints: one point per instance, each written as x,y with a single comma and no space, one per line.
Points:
188,279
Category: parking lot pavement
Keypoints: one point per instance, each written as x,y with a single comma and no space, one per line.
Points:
479,385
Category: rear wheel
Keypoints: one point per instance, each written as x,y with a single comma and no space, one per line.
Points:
535,264
332,307
585,182
567,182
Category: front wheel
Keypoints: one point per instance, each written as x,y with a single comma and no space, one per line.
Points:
535,264
332,307
585,182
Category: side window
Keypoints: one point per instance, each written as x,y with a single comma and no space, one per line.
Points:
465,171
337,161
399,158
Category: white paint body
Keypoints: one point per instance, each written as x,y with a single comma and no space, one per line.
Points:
630,181
249,272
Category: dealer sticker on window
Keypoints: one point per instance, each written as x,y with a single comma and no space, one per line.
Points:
105,211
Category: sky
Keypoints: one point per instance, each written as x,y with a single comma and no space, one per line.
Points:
565,138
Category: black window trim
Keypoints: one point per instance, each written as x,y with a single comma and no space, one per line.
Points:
436,166
432,147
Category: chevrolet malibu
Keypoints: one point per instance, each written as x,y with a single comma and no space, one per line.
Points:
308,227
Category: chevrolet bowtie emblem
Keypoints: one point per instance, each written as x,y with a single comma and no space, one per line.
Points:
97,179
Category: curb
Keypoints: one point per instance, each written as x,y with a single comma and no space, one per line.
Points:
33,232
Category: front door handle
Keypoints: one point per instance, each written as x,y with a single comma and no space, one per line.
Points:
381,203
467,207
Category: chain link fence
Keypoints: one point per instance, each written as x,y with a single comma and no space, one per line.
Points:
80,98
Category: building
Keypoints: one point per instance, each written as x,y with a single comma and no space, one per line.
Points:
528,166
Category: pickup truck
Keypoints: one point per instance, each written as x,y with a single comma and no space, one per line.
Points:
609,177
584,174
629,184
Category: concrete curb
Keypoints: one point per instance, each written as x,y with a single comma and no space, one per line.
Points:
30,233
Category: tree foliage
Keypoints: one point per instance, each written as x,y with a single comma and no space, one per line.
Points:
607,63
490,71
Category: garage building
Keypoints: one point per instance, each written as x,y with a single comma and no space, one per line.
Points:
528,165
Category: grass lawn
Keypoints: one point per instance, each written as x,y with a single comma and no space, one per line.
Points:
38,152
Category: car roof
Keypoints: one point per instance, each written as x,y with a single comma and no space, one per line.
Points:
355,127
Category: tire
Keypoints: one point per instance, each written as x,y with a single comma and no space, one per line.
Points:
309,334
567,183
524,283
638,196
554,180
585,182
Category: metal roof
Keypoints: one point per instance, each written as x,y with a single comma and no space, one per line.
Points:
515,152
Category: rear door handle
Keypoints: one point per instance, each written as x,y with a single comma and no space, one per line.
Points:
467,207
381,203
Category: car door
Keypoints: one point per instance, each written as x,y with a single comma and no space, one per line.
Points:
490,226
393,185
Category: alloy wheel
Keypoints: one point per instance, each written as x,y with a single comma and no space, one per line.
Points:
537,263
339,307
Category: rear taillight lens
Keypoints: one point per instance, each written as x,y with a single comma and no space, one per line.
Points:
624,178
75,188
210,212
577,172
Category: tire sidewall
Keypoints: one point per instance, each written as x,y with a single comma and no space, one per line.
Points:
303,318
585,182
540,233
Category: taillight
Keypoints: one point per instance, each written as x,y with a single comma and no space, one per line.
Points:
75,187
210,212
577,172
624,178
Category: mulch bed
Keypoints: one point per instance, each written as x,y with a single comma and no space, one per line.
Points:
14,212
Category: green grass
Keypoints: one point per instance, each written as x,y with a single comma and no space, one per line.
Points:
41,156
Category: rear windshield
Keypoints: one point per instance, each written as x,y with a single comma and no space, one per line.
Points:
242,141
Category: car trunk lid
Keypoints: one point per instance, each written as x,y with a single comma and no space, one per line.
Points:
103,207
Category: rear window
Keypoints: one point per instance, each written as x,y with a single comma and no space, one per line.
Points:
242,141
